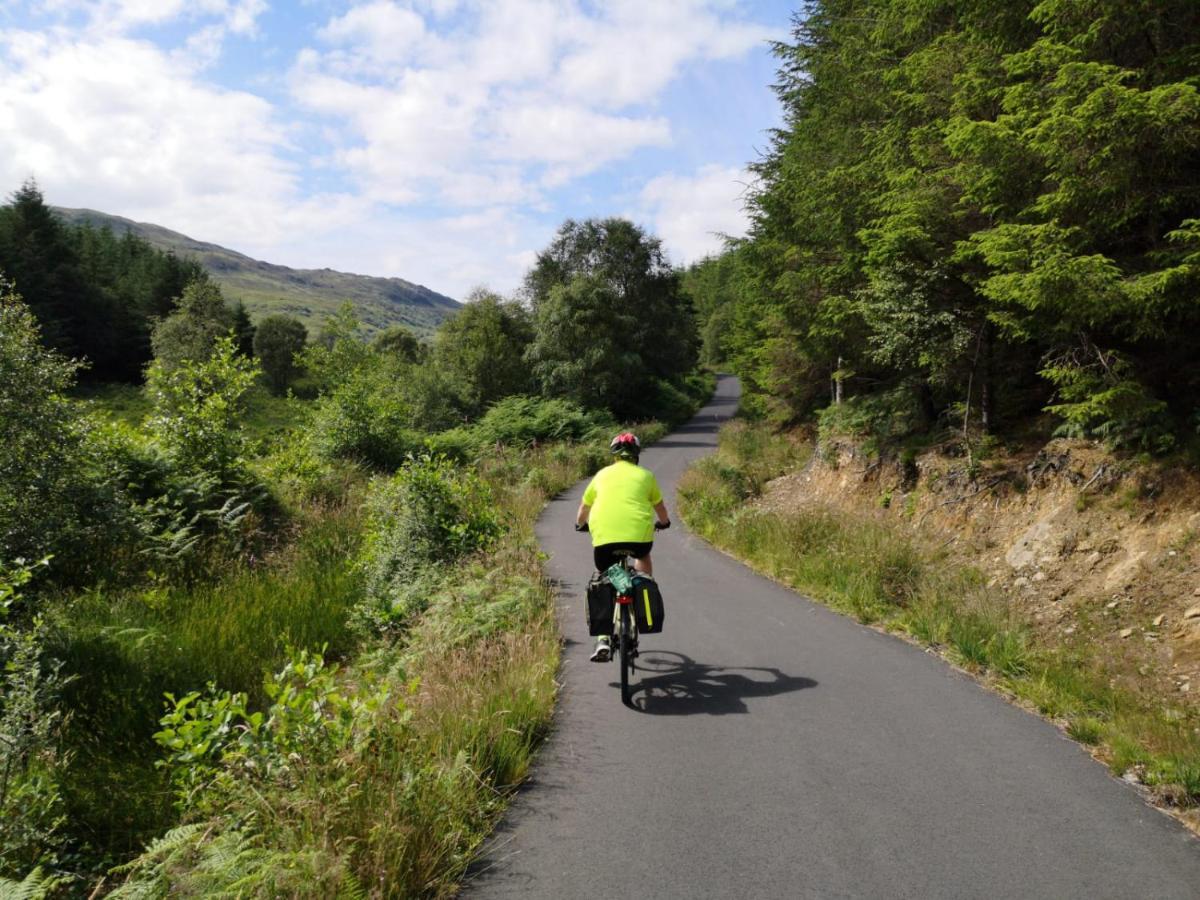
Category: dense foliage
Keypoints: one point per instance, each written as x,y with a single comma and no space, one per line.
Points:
981,208
610,321
276,343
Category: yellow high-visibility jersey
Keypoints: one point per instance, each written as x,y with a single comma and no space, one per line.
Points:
622,497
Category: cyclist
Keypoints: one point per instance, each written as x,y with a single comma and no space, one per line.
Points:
622,507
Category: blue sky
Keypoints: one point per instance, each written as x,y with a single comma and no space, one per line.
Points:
442,141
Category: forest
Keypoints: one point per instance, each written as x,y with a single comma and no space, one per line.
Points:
978,215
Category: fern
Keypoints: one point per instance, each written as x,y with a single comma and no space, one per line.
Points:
148,873
36,885
350,889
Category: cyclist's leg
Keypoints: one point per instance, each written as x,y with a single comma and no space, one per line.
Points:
643,563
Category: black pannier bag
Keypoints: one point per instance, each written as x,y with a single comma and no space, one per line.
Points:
600,601
647,605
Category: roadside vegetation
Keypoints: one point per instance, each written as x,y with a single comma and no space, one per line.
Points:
272,619
894,579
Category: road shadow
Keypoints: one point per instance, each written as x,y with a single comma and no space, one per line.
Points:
672,684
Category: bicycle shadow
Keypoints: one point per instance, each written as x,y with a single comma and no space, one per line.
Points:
673,684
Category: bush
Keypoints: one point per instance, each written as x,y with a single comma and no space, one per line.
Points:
54,498
524,421
198,408
366,418
430,512
1100,397
460,444
277,341
665,401
882,418
32,814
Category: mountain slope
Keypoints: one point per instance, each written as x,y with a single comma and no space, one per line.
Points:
308,294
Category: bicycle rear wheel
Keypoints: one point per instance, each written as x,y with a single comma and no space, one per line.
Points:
626,650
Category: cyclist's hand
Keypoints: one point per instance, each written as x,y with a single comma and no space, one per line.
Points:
662,526
581,527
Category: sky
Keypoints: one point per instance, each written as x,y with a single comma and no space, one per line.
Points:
440,141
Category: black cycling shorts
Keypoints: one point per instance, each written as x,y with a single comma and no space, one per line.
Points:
606,555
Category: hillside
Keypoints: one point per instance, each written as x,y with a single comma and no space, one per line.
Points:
309,294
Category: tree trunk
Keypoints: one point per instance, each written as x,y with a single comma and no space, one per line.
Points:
987,398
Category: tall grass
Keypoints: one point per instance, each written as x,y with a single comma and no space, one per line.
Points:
124,651
865,567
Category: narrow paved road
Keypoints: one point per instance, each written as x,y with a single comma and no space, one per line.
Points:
780,750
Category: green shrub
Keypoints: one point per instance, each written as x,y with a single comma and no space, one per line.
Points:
1100,397
32,814
198,409
459,444
522,421
178,519
884,417
366,418
430,512
309,719
338,351
54,496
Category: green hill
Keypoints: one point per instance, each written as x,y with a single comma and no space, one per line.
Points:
309,294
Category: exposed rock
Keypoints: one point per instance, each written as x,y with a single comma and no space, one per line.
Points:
1126,571
1158,620
1126,632
1041,539
1193,612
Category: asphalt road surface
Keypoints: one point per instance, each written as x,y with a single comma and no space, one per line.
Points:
780,750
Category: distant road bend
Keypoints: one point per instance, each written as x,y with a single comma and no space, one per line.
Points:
781,750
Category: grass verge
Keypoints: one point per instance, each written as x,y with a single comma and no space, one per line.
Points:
867,568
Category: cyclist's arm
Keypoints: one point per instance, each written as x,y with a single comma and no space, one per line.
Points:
660,510
581,516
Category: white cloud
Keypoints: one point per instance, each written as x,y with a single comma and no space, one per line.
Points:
693,213
524,94
113,123
637,48
380,33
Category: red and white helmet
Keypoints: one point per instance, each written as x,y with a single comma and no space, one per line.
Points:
626,443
